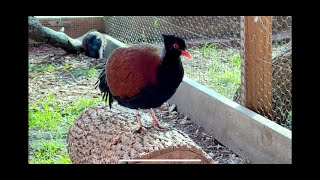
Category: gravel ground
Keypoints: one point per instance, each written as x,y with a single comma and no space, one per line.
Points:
66,84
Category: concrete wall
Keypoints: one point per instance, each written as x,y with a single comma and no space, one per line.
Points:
245,132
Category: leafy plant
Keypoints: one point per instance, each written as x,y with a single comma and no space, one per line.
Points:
49,121
155,22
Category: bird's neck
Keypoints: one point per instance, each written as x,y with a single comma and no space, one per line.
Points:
168,56
163,53
170,72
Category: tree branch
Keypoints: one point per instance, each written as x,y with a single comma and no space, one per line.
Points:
40,33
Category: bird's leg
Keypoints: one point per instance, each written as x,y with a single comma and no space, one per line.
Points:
140,129
155,121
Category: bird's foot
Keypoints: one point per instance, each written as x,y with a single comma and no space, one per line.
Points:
156,123
161,127
140,127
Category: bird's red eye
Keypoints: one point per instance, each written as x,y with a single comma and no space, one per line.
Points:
175,45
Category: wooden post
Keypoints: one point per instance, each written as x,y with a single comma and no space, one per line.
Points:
257,63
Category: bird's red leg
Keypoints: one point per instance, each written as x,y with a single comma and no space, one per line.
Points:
155,121
140,129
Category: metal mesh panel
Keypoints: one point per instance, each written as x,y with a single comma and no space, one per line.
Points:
282,71
219,60
266,68
214,43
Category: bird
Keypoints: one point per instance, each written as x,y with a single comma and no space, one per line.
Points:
93,44
143,76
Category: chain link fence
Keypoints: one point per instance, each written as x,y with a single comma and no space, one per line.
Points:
218,57
246,59
266,67
213,42
282,71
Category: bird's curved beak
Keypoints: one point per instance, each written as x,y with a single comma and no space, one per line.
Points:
186,54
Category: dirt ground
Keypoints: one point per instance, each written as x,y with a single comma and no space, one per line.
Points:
67,81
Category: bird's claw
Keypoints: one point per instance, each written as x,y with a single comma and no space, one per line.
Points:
162,127
149,127
158,126
153,124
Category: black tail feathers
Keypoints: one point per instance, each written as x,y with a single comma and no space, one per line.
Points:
104,88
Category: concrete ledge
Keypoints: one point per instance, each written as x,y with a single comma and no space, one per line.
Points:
245,132
111,45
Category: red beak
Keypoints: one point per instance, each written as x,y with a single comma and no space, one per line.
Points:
186,54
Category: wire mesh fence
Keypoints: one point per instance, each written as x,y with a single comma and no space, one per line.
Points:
246,59
266,67
214,43
282,71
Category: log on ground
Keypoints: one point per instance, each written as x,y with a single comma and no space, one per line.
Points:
103,136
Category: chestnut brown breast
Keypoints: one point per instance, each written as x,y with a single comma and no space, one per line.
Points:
130,69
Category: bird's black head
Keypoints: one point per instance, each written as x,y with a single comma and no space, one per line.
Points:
175,45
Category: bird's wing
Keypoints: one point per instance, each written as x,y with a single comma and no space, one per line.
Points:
131,69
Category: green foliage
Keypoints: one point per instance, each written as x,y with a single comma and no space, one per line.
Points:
84,71
155,22
43,115
218,69
38,68
288,122
49,121
49,152
143,37
92,72
66,67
